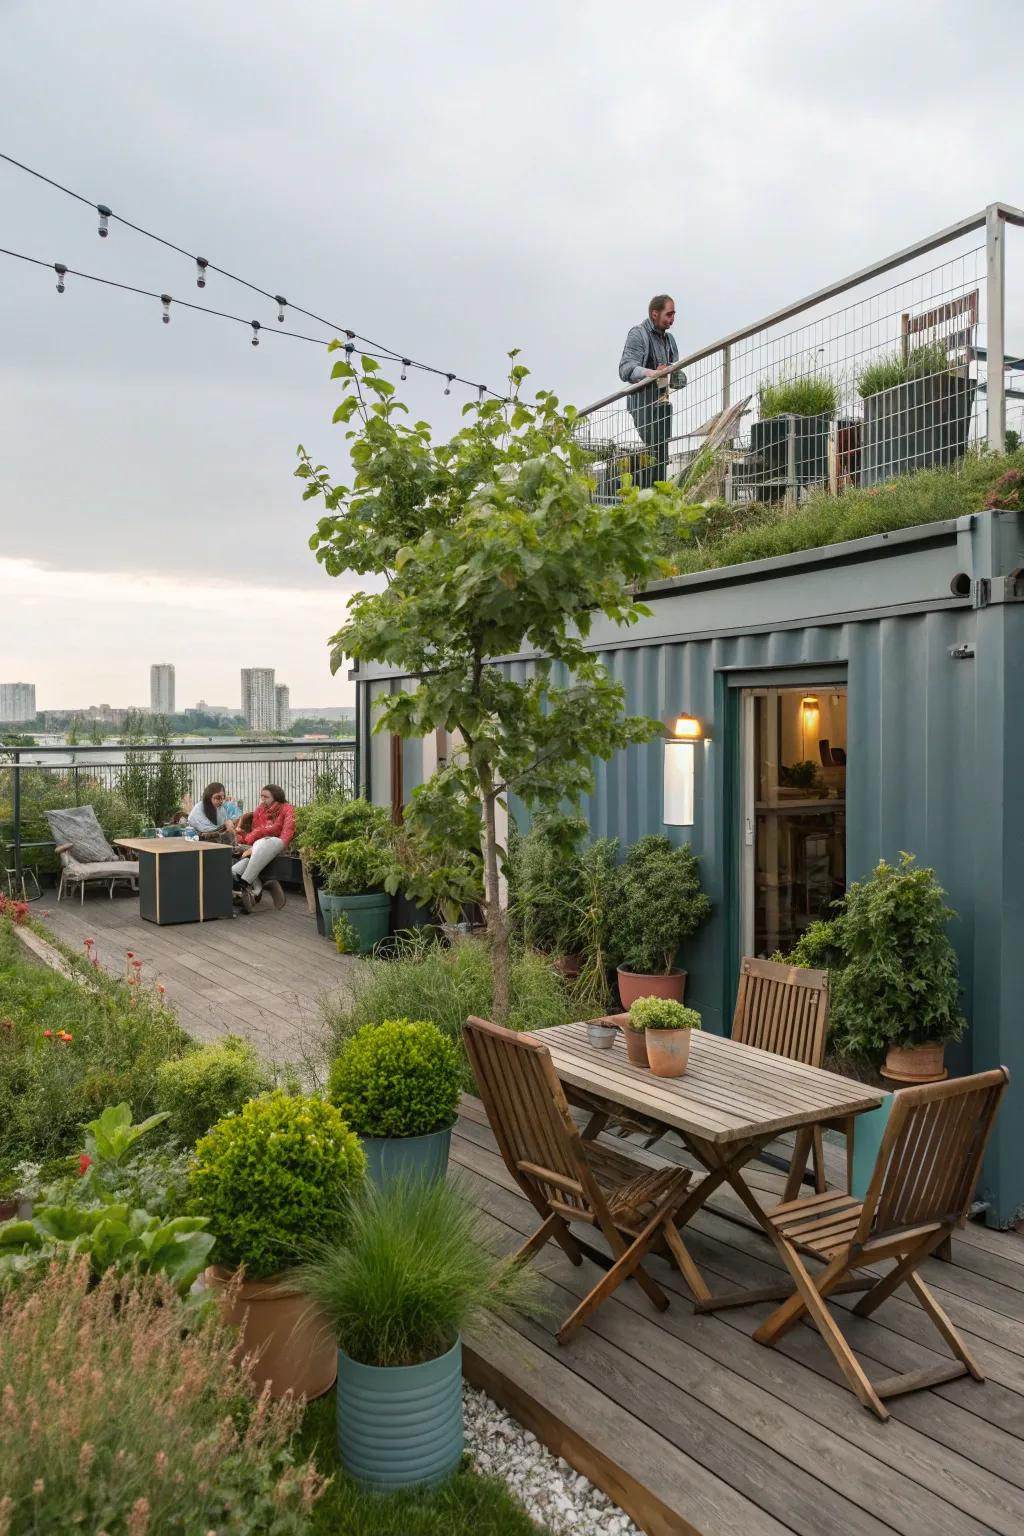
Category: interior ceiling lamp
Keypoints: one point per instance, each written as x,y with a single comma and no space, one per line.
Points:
679,771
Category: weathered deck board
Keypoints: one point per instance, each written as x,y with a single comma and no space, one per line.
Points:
261,976
774,1429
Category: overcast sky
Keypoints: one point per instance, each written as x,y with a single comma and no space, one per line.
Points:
449,179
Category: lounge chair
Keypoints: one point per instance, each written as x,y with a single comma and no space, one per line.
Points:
86,857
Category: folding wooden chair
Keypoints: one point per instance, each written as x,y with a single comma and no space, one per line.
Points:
921,1188
568,1178
784,1009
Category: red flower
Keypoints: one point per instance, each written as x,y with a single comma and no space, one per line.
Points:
83,1163
47,1034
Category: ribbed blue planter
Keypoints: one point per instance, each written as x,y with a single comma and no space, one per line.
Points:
390,1158
400,1425
370,916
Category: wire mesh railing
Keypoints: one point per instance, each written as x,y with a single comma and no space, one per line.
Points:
896,377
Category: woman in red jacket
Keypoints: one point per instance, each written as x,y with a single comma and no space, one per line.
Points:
273,827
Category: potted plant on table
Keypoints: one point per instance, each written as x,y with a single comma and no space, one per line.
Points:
397,1085
657,903
665,1027
273,1179
411,1274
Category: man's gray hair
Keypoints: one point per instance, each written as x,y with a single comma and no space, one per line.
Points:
658,303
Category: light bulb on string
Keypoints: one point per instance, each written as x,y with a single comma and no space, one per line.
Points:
448,386
405,366
280,302
61,271
165,300
480,393
350,347
104,213
255,332
201,266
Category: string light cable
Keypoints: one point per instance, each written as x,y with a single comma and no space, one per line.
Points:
204,266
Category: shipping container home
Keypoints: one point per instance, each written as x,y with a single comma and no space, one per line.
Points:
893,664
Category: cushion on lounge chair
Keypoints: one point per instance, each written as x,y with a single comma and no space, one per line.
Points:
103,869
80,828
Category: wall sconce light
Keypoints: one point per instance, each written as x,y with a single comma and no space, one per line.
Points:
679,770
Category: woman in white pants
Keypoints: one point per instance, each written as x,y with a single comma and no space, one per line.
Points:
273,827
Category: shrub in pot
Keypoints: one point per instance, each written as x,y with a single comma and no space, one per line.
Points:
666,1027
657,903
356,872
411,1274
397,1085
273,1179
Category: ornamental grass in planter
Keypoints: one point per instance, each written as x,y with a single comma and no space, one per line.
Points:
657,903
274,1179
397,1085
666,1027
411,1275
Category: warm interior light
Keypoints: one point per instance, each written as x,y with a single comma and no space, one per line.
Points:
809,704
687,728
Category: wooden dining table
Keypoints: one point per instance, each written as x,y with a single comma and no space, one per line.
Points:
731,1102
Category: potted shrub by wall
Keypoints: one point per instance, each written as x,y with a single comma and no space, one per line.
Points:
896,989
657,903
397,1085
356,869
411,1274
273,1179
666,1027
917,412
322,824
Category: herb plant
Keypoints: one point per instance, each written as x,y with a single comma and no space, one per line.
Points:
657,903
662,1013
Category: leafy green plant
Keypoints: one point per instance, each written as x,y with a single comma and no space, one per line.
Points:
397,1078
438,853
150,1425
484,543
112,1135
208,1083
799,395
662,1013
346,940
819,947
591,993
802,775
411,1275
274,1178
549,884
657,904
111,1236
354,867
338,819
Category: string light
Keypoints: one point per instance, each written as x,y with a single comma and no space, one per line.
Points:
405,365
255,332
202,265
104,213
280,308
61,271
165,300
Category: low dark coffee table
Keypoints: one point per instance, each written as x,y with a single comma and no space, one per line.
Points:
181,881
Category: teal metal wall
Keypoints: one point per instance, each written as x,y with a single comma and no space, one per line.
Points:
935,748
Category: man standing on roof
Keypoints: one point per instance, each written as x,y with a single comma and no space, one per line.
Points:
649,353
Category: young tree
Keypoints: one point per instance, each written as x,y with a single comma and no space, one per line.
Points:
489,544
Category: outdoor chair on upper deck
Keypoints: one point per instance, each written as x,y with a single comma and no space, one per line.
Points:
86,858
784,1009
921,1188
569,1178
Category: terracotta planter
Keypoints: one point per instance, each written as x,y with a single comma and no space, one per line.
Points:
636,1046
298,1352
915,1063
669,1051
634,984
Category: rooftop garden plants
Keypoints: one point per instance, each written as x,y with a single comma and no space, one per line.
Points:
657,903
205,1084
272,1179
813,394
921,362
410,1275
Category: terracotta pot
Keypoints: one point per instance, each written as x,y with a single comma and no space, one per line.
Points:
915,1063
669,1051
297,1350
636,1046
634,984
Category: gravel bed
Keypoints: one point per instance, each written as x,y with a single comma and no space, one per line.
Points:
551,1492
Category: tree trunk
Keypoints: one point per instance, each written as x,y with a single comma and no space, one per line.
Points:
497,925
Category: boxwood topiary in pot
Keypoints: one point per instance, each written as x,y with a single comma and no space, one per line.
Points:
273,1179
397,1084
657,903
667,1026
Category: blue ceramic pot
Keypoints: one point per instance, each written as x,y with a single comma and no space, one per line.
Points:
390,1158
400,1425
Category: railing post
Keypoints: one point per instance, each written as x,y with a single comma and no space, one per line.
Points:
16,806
791,485
995,342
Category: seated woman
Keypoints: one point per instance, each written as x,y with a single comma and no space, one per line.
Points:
209,815
273,827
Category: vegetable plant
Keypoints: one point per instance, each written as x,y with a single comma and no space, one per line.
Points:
662,1013
657,903
274,1178
397,1078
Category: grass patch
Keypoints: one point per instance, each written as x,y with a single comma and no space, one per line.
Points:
814,395
735,533
464,1505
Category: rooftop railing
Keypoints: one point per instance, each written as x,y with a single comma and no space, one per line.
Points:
896,377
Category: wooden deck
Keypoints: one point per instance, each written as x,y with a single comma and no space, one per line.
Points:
261,976
693,1427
